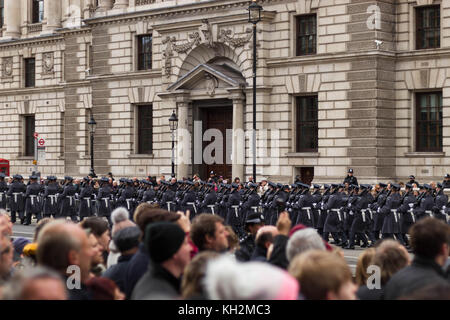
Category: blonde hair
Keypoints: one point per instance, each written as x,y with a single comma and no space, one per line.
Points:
364,261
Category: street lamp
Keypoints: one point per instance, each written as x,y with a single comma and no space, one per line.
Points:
92,125
254,16
173,123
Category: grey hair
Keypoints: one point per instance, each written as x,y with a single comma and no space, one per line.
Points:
119,214
303,240
14,289
3,212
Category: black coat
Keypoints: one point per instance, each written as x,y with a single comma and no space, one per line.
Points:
278,256
332,222
210,199
351,180
304,216
391,222
136,268
104,201
233,214
157,284
361,215
407,216
50,200
149,195
3,190
421,273
426,204
67,200
32,204
247,246
86,203
16,194
117,272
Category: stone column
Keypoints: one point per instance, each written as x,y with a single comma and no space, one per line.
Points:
238,147
12,19
52,14
183,138
104,5
121,4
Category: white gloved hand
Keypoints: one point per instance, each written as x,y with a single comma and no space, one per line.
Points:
349,205
411,205
378,210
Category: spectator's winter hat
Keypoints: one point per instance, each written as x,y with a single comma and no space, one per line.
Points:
19,244
127,238
163,240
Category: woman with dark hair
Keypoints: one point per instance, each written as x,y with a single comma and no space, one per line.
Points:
99,227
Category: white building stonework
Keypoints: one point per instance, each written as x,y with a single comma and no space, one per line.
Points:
366,80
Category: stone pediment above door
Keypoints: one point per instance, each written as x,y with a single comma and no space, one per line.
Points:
209,78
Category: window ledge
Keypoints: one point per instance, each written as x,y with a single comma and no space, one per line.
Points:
303,154
425,154
25,158
141,156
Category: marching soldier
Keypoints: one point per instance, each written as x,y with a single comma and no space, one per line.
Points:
32,205
168,198
233,217
208,205
440,203
304,207
251,202
333,221
407,216
222,200
425,202
67,200
86,199
16,194
149,193
322,214
267,200
51,198
359,207
104,199
127,197
3,190
391,222
188,201
279,197
379,201
316,198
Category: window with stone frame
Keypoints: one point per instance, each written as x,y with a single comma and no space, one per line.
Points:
37,11
144,52
29,129
144,129
306,34
2,13
30,72
429,121
307,130
428,27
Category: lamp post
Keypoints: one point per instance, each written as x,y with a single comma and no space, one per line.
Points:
254,16
92,125
173,123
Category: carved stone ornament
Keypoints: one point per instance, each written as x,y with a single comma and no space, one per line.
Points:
47,62
228,37
204,36
211,84
7,67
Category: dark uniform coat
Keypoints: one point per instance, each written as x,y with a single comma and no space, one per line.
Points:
407,216
3,191
333,222
210,200
104,201
51,200
16,194
391,222
67,199
32,205
86,202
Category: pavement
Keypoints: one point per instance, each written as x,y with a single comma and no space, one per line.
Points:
351,256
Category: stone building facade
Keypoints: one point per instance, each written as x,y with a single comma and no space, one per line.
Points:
366,73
